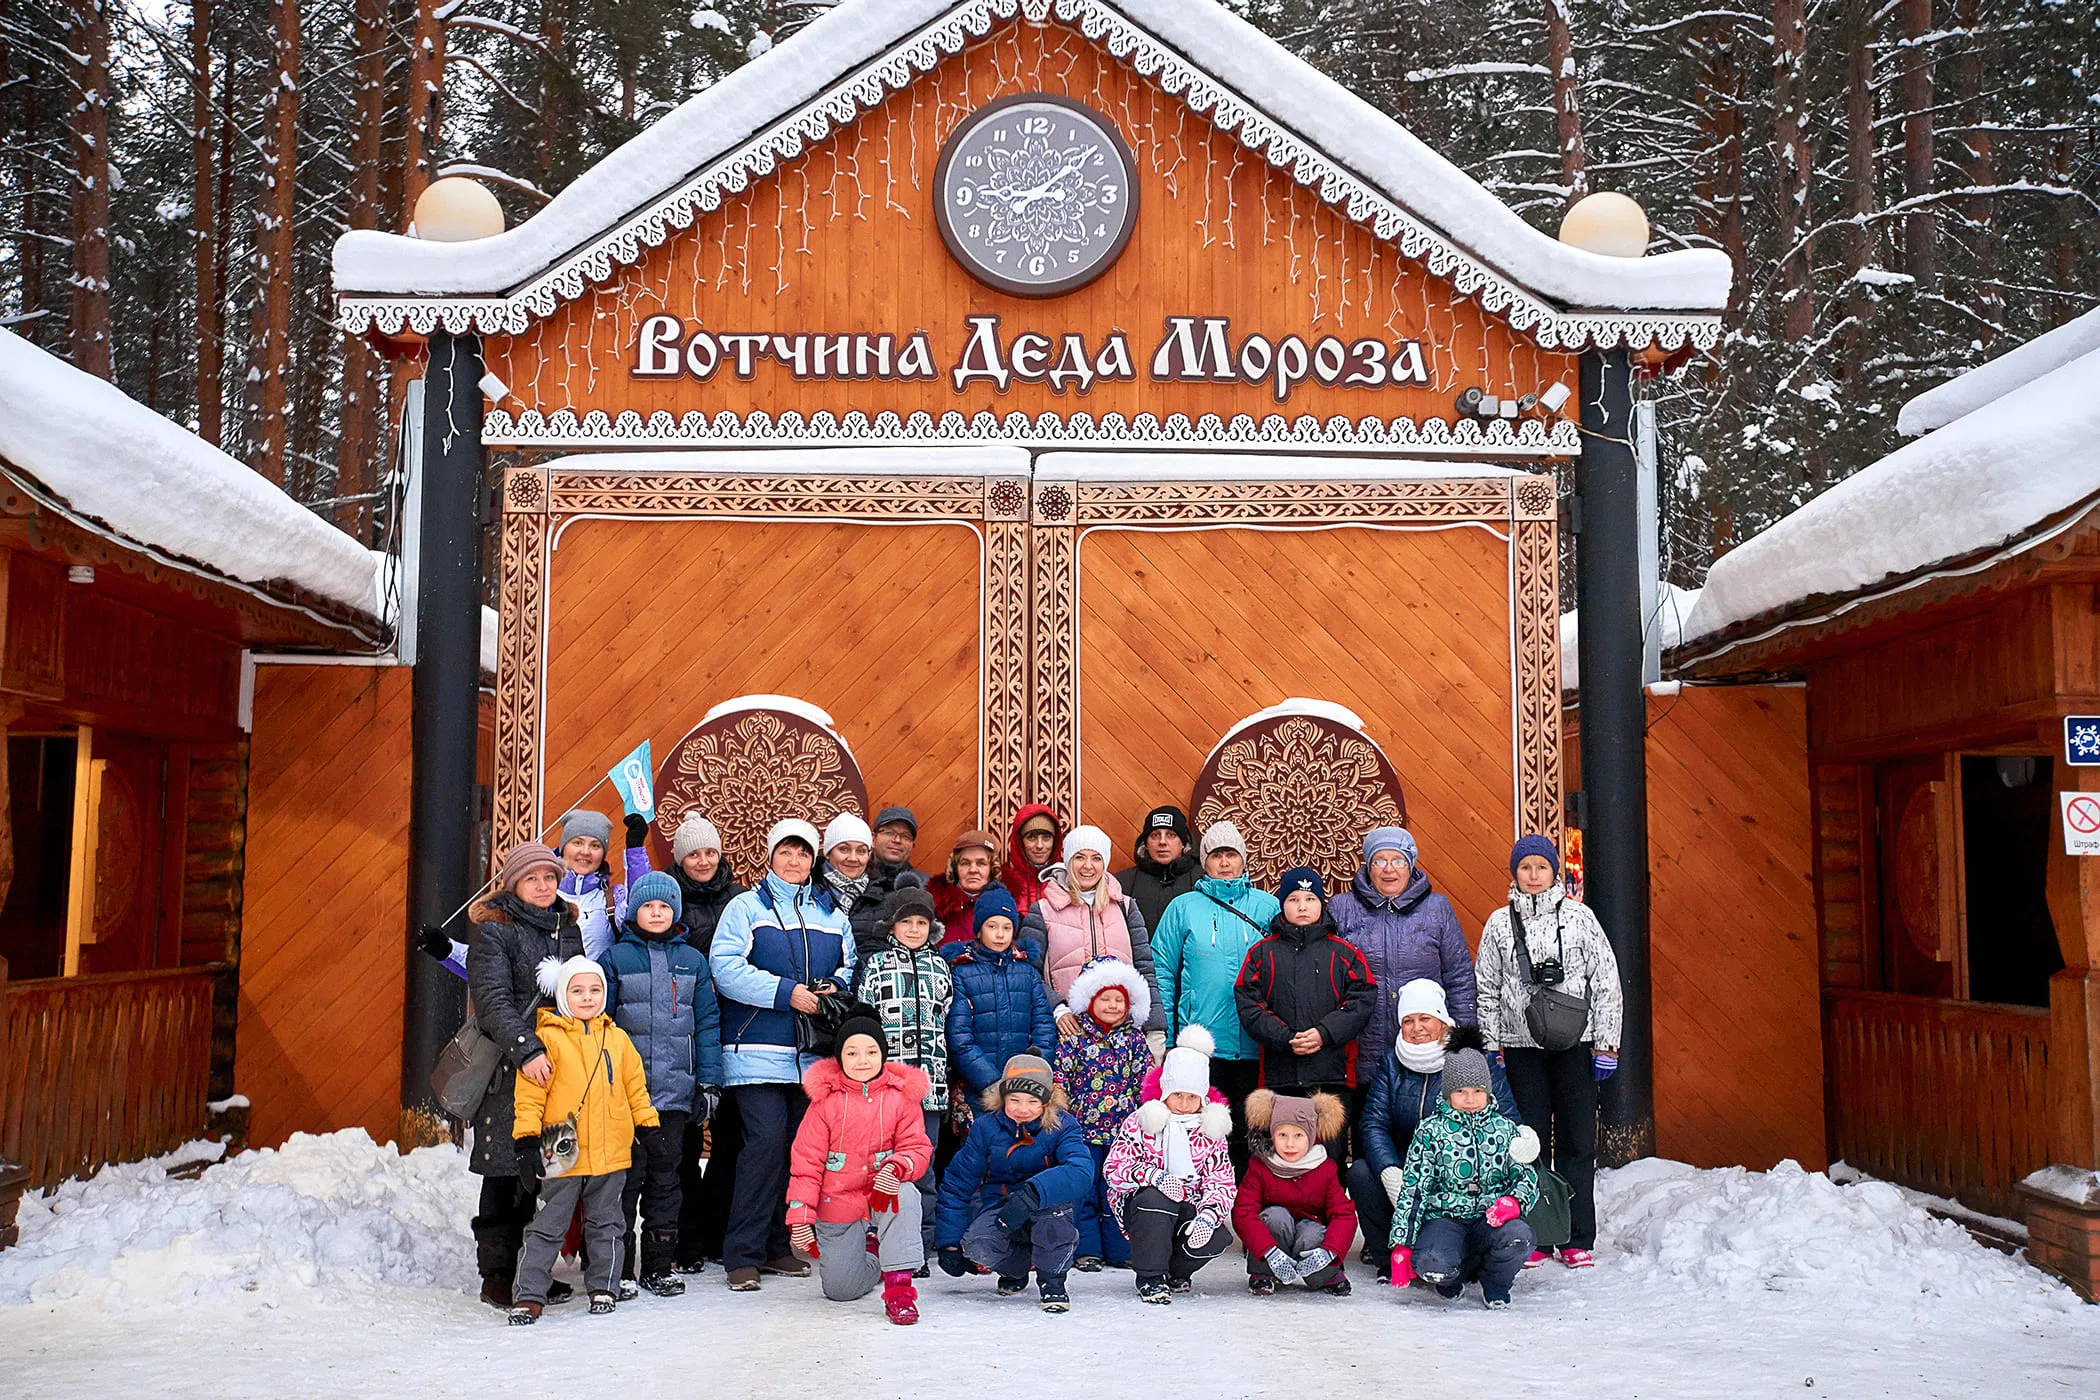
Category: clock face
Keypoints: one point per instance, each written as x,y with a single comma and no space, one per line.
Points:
1036,195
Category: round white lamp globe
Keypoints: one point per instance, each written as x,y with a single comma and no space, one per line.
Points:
1606,223
457,210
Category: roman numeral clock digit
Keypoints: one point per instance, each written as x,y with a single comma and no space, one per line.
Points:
1036,195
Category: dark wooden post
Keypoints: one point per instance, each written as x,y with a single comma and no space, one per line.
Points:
13,1179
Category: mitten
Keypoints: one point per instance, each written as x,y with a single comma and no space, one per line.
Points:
706,1099
1605,1065
1156,1045
1503,1211
657,1144
1524,1146
1015,1209
1403,1267
528,1150
434,941
1199,1232
637,830
950,1258
1172,1187
1314,1261
1393,1179
803,1239
1281,1265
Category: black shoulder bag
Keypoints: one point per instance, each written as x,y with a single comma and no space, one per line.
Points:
1556,1019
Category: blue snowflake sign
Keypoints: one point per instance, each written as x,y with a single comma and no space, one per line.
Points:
2082,741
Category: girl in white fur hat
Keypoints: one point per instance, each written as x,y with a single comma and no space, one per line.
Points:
1169,1175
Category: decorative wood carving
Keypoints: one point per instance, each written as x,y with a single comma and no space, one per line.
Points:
1535,610
1006,706
1053,710
1303,789
1284,502
748,768
521,653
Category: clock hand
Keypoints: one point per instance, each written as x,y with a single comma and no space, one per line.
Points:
1049,186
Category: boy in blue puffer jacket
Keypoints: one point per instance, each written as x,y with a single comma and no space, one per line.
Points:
659,990
1000,1009
1007,1200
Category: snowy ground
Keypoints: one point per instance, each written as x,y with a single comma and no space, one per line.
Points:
336,1268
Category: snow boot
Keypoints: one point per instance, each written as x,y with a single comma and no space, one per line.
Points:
1577,1259
1052,1288
690,1266
1087,1264
743,1280
1537,1257
496,1291
524,1314
1338,1289
786,1266
1152,1288
1009,1286
629,1290
1448,1290
559,1293
603,1303
1179,1284
1261,1285
900,1301
665,1285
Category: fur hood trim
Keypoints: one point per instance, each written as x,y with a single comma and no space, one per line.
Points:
992,1100
825,1078
1214,1122
1103,973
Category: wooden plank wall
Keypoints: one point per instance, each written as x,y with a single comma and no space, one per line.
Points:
1183,634
322,962
650,623
1732,927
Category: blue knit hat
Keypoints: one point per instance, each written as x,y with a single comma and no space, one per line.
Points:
1391,838
654,885
1302,878
995,903
1534,845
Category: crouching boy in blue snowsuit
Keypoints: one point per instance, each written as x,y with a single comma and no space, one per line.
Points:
1007,1200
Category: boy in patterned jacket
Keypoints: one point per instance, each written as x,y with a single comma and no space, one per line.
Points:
1103,1072
1463,1191
910,987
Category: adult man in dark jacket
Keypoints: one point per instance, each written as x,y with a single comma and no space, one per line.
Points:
1304,993
1164,865
885,877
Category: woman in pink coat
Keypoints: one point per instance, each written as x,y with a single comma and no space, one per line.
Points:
1084,915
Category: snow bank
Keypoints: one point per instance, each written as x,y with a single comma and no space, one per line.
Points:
1672,606
1991,381
688,139
117,461
339,1211
1989,477
1739,1233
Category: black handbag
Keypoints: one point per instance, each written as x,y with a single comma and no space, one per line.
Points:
817,1032
1555,1019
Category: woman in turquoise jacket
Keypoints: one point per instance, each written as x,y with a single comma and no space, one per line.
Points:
1196,954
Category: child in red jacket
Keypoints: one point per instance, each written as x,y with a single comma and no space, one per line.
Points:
861,1145
1292,1212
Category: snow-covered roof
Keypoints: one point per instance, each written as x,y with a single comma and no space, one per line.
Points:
1941,405
106,457
849,60
1673,606
1989,478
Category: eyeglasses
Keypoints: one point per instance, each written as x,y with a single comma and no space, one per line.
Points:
1389,862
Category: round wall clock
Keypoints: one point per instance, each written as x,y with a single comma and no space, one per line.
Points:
1036,195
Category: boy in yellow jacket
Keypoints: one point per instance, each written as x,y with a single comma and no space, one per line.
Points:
594,1077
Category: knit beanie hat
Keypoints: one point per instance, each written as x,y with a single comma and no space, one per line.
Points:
1534,845
1026,1074
1168,818
846,827
1390,838
791,829
897,814
1047,823
996,903
581,823
1087,838
554,977
859,1025
1302,879
1465,1063
695,833
524,857
1288,1112
906,899
1186,1069
1422,996
1223,836
655,885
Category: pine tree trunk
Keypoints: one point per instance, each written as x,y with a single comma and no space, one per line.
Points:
360,413
426,103
1789,100
552,32
1722,116
274,241
205,229
1917,138
1567,109
87,56
1981,165
1863,193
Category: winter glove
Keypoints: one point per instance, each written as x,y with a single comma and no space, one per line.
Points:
657,1144
637,830
1173,1188
882,1191
1524,1147
1199,1232
1314,1261
1503,1211
801,1238
1605,1064
434,941
1281,1265
529,1166
1403,1267
1015,1209
1393,1179
706,1099
886,1179
1156,1045
950,1258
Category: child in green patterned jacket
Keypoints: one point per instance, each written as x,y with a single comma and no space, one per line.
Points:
910,988
1463,1193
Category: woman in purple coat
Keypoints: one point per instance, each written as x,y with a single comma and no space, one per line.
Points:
1405,930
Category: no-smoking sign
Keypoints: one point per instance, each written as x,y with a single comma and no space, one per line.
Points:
2081,823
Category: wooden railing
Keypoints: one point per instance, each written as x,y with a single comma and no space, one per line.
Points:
1950,1097
101,1069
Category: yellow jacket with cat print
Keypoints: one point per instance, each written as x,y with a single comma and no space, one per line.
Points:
598,1077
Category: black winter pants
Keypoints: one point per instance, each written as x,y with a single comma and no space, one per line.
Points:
1557,1095
499,1226
1157,1224
758,1232
704,1213
653,1191
1374,1210
1236,1079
